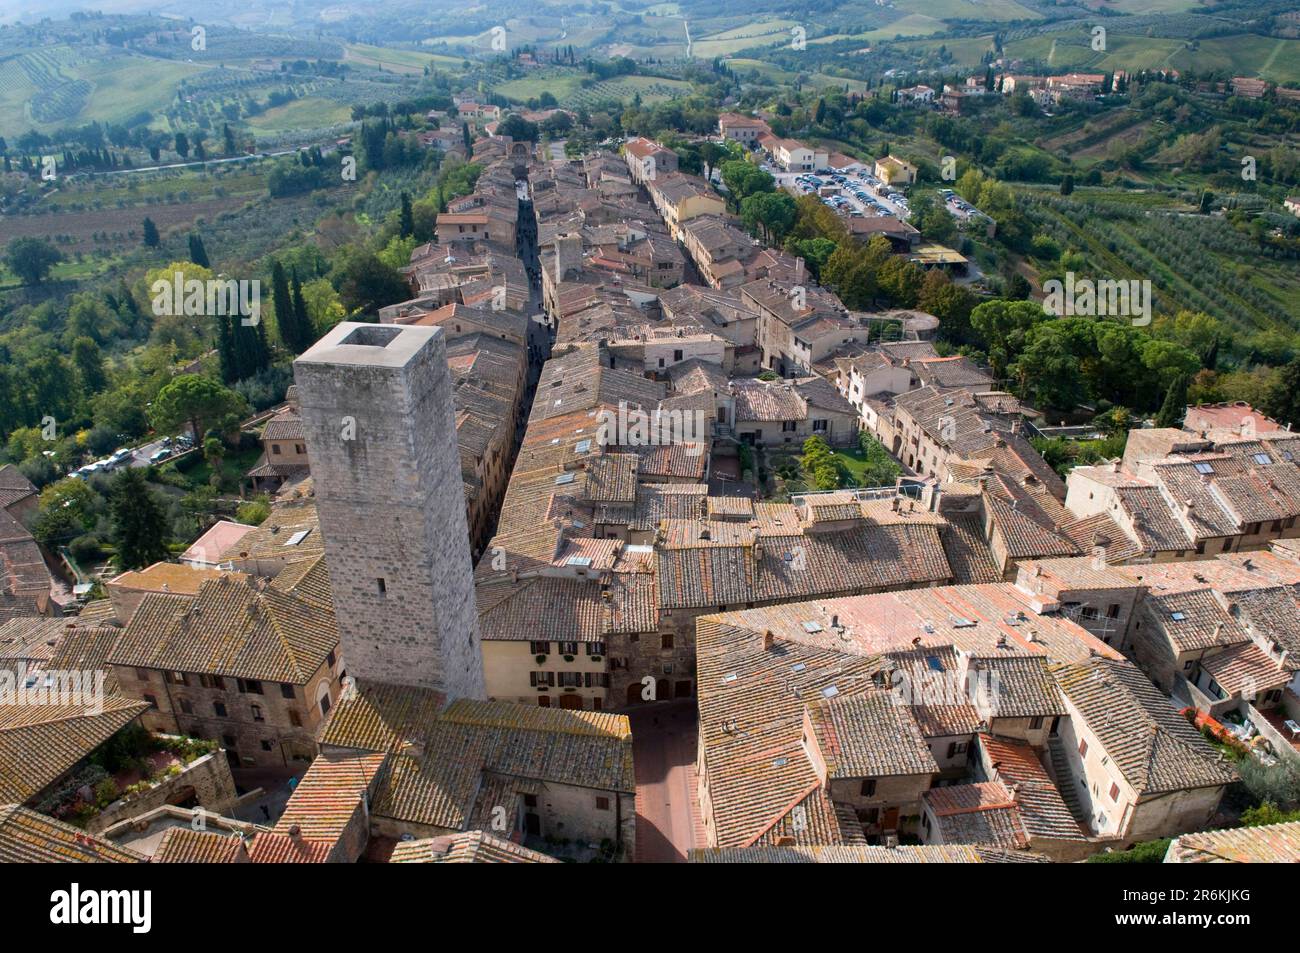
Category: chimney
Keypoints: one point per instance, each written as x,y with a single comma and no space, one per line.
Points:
768,637
1098,557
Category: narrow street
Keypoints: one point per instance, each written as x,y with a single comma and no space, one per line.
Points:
667,803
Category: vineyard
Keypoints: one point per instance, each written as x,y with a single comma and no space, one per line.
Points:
567,86
57,86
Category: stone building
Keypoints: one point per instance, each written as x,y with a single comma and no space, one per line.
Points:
377,411
250,664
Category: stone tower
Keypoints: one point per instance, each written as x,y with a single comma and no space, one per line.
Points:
378,414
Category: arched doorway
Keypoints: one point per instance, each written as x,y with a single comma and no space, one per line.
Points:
634,693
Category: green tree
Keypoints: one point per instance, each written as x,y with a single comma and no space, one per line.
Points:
819,461
65,509
1175,404
406,220
139,522
932,220
301,318
1048,368
518,128
814,251
771,213
151,237
197,401
710,154
950,303
901,281
365,283
214,451
1002,326
31,259
1283,398
880,468
89,360
744,179
198,254
286,318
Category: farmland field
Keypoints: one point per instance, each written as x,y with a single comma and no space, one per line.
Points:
985,10
398,61
1247,55
309,113
57,86
122,225
766,33
914,24
1193,261
566,86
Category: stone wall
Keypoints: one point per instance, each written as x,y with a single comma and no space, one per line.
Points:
206,780
377,410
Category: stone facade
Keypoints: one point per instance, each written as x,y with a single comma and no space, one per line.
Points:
377,411
257,723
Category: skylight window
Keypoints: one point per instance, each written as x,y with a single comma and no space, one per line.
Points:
812,627
935,663
830,691
798,667
1263,459
563,478
1203,468
298,537
1178,616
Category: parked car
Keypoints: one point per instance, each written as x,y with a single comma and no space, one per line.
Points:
158,456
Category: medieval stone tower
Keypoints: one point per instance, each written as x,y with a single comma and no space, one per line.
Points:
378,414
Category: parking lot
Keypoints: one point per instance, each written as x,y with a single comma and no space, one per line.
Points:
856,191
150,454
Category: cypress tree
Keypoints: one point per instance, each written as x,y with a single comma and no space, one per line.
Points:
198,254
151,238
1175,405
407,226
284,317
226,350
306,330
139,523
